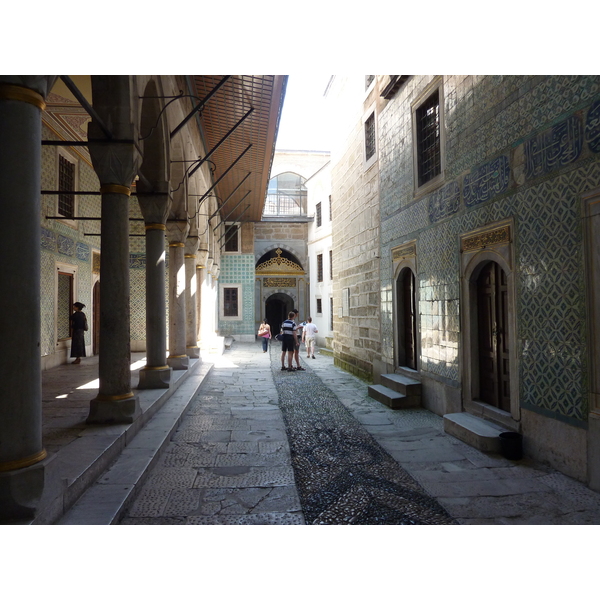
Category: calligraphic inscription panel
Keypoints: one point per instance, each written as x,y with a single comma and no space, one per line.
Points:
486,239
402,252
487,181
279,282
592,127
554,148
444,202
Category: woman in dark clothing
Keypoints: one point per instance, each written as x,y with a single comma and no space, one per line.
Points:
78,326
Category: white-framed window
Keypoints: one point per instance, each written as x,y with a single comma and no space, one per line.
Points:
429,138
318,214
319,267
64,297
67,177
230,302
369,138
319,306
232,238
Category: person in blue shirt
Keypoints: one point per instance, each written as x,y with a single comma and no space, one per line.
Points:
288,344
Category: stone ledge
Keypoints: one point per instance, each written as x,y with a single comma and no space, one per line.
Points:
474,431
393,399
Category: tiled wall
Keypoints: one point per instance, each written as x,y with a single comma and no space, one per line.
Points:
239,269
65,244
520,147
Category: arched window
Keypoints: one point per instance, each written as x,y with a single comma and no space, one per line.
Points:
286,195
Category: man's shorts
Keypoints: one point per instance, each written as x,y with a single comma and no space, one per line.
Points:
287,345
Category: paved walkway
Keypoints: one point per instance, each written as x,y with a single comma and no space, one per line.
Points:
261,446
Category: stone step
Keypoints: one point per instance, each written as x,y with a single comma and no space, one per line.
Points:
393,399
475,431
402,384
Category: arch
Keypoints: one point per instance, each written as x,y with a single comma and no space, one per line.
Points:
406,318
286,195
155,165
277,256
473,264
277,307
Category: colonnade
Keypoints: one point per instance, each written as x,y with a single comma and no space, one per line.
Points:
22,456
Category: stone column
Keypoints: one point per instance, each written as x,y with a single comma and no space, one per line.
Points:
116,165
191,292
156,373
21,450
178,358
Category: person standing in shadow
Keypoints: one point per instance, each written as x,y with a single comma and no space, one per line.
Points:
264,332
79,326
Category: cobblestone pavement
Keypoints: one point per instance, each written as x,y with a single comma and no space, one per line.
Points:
229,462
343,475
349,459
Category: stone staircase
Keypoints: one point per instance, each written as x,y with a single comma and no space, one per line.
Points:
397,391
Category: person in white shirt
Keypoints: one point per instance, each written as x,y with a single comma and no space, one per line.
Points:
309,336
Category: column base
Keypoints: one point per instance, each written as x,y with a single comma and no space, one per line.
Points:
20,493
192,351
154,378
180,362
104,411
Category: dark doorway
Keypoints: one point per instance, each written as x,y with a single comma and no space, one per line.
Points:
492,322
277,308
407,319
96,318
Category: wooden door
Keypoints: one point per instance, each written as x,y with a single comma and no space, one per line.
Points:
492,316
410,320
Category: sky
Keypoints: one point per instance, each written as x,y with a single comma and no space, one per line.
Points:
303,123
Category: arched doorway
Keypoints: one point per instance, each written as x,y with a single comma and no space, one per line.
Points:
277,308
493,336
407,319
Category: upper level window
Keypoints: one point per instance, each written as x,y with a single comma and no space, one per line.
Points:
428,131
319,267
286,195
331,265
370,137
368,81
318,211
66,183
232,238
330,209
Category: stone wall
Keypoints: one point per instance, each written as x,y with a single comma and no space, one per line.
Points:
355,209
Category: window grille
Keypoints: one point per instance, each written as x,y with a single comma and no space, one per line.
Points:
319,267
330,209
319,306
319,214
370,136
331,265
230,302
66,183
428,139
231,238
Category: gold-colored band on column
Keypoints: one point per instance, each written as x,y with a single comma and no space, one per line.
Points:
21,94
177,245
113,397
200,267
21,463
178,356
163,368
114,188
189,256
156,226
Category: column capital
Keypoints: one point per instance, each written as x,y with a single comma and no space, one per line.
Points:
39,84
177,231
